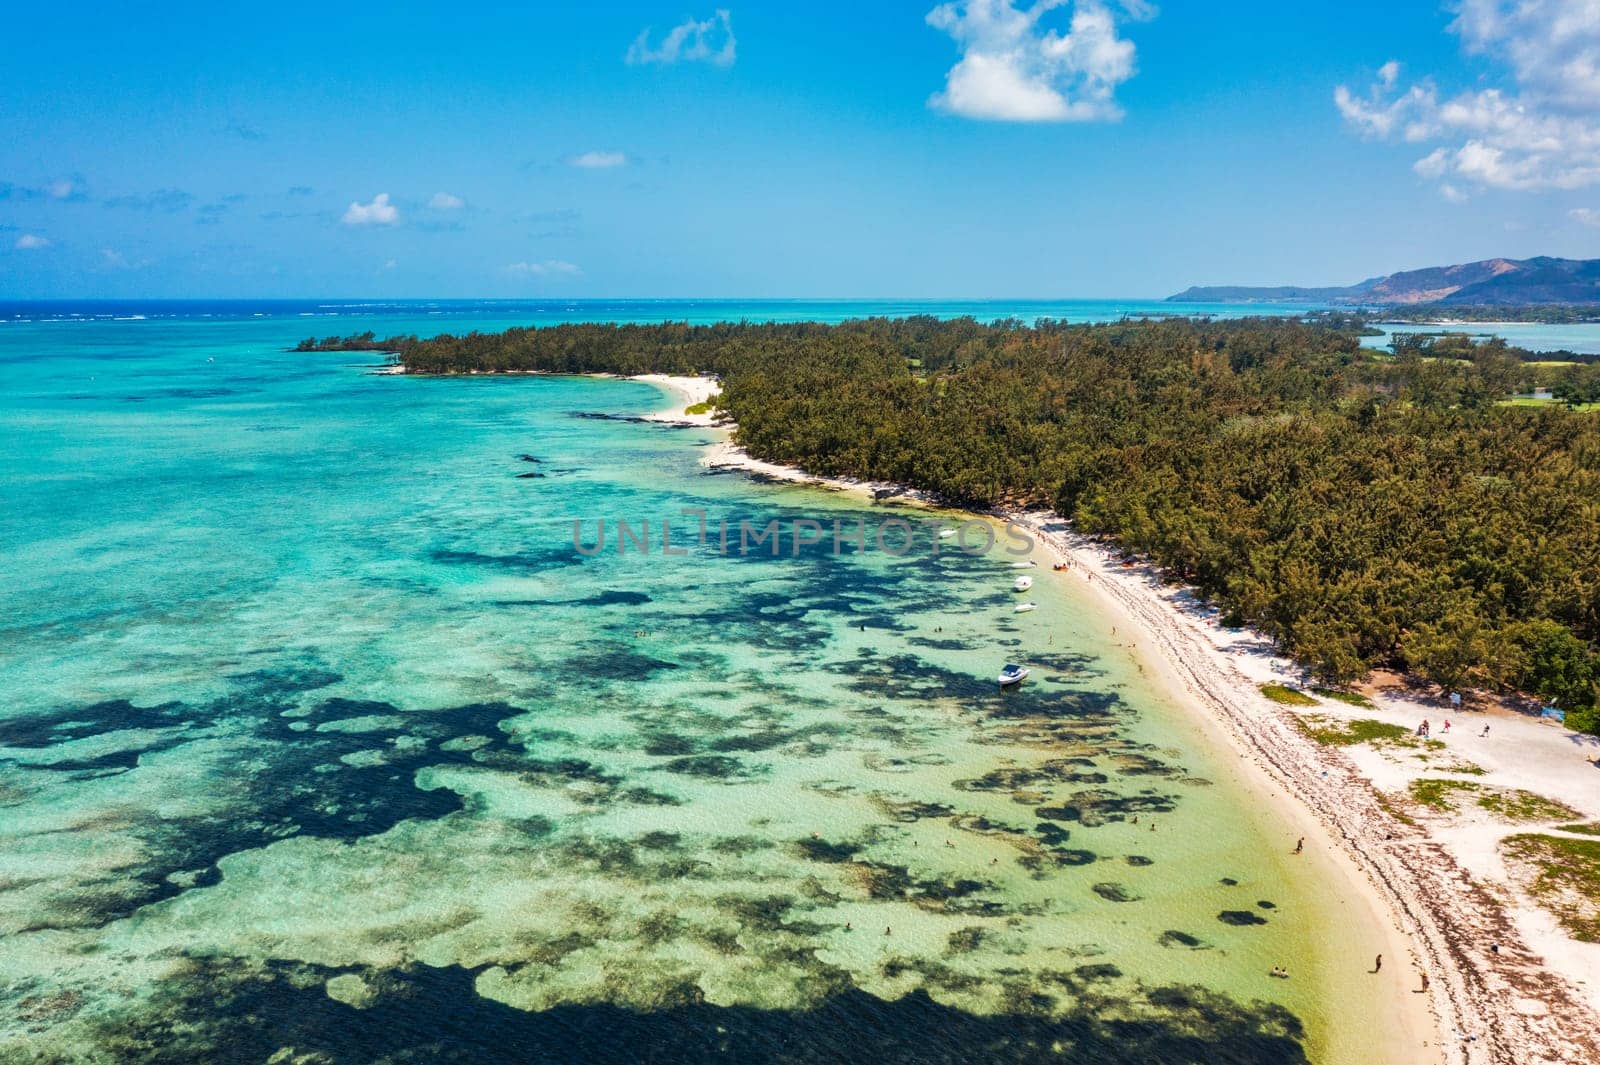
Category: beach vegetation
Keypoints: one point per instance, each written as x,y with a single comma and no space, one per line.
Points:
1342,696
1437,794
1508,804
1280,693
1335,733
1524,806
1466,769
1564,875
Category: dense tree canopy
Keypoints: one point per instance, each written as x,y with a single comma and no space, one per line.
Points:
1364,509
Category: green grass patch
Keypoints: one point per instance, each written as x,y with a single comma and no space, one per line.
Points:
702,408
1435,794
1352,698
1508,804
1582,830
1564,875
1334,733
1466,769
1524,806
1279,693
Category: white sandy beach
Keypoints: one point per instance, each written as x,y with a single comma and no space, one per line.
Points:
688,392
1442,886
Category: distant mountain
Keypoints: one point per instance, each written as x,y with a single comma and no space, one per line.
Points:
1492,282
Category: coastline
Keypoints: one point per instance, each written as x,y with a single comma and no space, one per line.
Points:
1491,996
687,392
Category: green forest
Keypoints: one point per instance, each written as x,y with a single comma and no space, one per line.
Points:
1365,509
1549,313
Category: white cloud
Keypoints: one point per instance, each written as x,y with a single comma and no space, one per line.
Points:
1453,194
111,259
1552,46
599,160
1540,131
443,201
1586,216
547,268
30,242
1013,70
379,212
65,190
691,41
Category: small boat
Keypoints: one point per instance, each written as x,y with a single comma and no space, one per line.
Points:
946,534
1023,565
1059,566
1022,584
1025,608
1012,675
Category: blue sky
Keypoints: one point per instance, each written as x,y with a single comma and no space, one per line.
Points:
1088,148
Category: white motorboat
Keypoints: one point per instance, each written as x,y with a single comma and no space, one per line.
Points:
1023,608
1023,565
1012,675
1022,584
946,534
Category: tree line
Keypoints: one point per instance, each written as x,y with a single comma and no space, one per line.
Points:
1364,509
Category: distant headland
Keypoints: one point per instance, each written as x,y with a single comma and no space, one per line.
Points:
1538,282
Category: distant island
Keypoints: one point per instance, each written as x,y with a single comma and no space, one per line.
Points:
1501,283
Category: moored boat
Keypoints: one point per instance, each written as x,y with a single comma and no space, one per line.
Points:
1012,674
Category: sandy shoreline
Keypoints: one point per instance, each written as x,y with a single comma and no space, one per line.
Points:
688,392
1446,911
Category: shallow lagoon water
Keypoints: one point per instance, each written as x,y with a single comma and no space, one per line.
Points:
321,741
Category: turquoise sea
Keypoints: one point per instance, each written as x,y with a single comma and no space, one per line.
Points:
321,743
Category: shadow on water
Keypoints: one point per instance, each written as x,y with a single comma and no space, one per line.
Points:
436,1015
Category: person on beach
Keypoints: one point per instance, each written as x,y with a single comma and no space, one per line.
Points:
1298,847
1484,733
1377,966
1424,988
